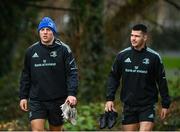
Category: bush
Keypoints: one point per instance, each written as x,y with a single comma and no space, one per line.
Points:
87,117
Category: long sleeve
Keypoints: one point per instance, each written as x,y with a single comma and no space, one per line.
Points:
25,80
113,80
162,84
71,73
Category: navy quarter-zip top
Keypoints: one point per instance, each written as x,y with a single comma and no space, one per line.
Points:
142,77
49,72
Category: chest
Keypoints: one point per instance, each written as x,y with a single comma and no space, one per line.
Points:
46,58
137,63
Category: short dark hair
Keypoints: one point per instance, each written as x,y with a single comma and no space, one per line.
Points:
140,27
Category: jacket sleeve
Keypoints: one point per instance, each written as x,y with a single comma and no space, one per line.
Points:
71,73
25,80
162,83
113,80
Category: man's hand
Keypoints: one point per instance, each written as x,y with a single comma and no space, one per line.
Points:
109,106
23,104
71,100
164,112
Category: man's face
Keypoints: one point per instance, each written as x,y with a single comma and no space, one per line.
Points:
46,35
138,39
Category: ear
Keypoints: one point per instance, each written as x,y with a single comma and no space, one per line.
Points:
145,37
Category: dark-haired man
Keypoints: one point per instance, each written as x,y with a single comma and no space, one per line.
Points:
140,70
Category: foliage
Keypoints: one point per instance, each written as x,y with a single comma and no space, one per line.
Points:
172,66
172,122
117,26
96,39
88,116
91,45
17,124
18,24
170,39
174,86
16,19
8,96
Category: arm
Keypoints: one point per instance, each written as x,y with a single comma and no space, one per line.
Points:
113,83
24,84
163,88
72,77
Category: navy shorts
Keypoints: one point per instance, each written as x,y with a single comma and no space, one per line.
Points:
49,110
136,114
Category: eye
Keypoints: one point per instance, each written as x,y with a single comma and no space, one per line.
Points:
48,29
42,29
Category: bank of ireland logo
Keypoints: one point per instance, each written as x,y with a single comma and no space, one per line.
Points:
53,53
44,61
136,67
145,61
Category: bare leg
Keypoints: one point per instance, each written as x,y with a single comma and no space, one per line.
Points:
37,125
131,127
146,126
56,128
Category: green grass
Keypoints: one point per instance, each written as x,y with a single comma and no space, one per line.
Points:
171,62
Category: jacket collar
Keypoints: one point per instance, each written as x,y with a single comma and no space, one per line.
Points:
143,49
49,46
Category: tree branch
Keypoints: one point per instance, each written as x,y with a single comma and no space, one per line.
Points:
173,4
50,7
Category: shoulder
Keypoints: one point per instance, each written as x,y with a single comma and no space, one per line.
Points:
124,51
154,53
29,50
64,46
34,45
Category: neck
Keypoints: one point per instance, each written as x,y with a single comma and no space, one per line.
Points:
139,48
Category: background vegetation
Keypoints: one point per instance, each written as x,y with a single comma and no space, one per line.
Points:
96,30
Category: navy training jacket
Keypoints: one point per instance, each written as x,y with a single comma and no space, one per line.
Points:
49,72
142,76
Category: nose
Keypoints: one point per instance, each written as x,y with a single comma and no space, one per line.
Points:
45,31
133,38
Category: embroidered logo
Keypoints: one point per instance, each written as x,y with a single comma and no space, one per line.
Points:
128,60
151,116
35,55
53,53
30,114
50,24
145,61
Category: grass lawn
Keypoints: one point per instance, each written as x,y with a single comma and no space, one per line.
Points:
171,62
